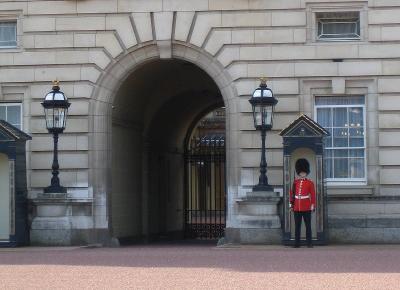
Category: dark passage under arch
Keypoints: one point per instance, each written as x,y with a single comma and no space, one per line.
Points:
154,109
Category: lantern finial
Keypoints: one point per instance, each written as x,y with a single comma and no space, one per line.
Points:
56,84
263,81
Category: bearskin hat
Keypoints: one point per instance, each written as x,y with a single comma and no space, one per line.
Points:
302,165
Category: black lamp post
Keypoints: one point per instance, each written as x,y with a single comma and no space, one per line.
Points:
263,103
55,106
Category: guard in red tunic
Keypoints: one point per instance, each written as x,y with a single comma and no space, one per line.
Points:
302,200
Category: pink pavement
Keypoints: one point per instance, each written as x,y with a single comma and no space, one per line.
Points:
182,266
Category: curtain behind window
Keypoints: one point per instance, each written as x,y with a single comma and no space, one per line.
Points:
8,33
344,152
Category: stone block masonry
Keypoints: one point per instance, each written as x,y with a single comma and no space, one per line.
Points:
93,47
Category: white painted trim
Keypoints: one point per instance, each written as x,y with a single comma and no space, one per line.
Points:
347,181
339,6
21,112
323,21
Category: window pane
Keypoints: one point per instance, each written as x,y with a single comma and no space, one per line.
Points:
338,25
339,29
14,115
340,137
356,142
341,168
8,33
345,121
356,137
356,167
356,153
340,142
340,117
356,117
356,132
324,117
341,153
3,112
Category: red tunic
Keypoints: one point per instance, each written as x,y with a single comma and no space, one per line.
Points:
304,196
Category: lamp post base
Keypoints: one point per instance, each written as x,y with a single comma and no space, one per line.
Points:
258,220
261,187
55,189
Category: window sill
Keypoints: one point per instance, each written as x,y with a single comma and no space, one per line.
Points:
349,190
10,49
339,41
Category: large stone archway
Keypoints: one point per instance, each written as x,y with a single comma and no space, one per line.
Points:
103,99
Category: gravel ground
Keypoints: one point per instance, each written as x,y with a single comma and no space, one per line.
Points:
183,266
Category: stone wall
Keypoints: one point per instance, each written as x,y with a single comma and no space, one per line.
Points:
364,220
83,43
126,198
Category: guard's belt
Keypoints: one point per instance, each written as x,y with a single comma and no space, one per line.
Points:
302,196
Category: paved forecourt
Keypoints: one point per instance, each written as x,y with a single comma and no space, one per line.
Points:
201,267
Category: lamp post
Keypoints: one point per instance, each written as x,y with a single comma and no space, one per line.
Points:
263,103
55,106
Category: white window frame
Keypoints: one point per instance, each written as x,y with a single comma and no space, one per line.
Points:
16,32
21,112
357,35
336,7
347,181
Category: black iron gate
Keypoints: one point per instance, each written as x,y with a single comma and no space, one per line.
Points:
206,188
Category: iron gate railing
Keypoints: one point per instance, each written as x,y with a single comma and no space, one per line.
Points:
206,187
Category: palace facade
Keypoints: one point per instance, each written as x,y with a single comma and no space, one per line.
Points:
159,88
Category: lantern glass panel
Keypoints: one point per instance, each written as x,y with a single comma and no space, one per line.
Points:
257,93
262,115
268,110
56,118
49,118
257,115
267,93
59,118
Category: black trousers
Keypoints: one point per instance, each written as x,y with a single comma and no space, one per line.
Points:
298,216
